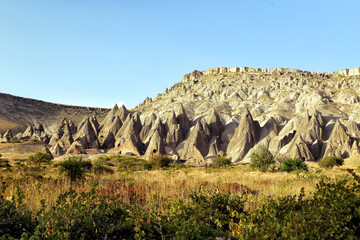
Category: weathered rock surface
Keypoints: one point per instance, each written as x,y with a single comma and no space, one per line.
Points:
221,112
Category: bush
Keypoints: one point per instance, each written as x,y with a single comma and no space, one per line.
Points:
127,163
40,157
15,220
221,162
159,161
99,166
75,168
261,159
330,162
84,216
293,164
331,213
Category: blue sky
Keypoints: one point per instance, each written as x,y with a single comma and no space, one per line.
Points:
98,53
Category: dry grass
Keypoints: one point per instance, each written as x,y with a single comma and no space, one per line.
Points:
162,186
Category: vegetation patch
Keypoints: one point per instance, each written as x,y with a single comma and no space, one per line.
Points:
293,164
330,162
261,159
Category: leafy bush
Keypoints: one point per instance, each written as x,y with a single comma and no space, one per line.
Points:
332,213
261,159
75,168
127,163
84,216
159,161
40,157
293,164
15,220
330,162
208,215
100,166
221,162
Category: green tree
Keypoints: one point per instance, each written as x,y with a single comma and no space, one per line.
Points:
39,158
261,159
330,162
75,168
293,164
221,162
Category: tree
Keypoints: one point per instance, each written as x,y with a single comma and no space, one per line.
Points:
261,159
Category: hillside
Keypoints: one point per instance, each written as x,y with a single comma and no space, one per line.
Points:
17,112
217,112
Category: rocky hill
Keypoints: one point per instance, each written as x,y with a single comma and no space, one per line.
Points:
224,112
16,113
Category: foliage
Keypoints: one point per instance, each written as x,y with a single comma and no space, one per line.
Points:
261,159
15,220
208,215
99,166
75,168
159,161
40,157
128,163
293,164
84,216
331,213
221,162
330,162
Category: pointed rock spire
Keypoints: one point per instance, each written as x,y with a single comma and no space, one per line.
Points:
156,145
245,137
215,123
339,143
183,120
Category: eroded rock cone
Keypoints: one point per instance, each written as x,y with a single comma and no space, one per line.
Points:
148,123
127,139
63,134
76,148
122,112
245,137
339,143
27,133
196,142
312,129
109,117
156,127
298,148
58,149
215,124
183,120
8,136
46,150
86,134
156,145
174,134
108,133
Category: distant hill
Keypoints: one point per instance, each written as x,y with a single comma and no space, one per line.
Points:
18,112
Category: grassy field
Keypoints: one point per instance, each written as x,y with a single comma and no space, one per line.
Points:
128,181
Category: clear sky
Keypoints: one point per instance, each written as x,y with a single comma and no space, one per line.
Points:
101,52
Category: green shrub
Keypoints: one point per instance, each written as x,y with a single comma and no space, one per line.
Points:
147,166
207,216
75,168
128,163
221,162
159,161
84,216
330,162
39,158
293,164
261,159
15,220
99,166
331,213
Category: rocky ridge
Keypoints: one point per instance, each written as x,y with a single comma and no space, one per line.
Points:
226,112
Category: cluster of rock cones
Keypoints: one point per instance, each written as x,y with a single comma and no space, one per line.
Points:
307,136
224,112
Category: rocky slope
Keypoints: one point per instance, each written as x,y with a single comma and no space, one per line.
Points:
16,113
226,112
